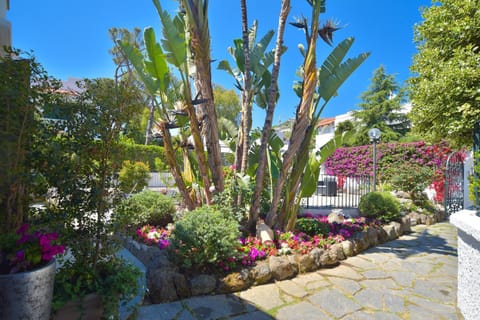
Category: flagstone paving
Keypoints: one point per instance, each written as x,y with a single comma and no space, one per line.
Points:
413,278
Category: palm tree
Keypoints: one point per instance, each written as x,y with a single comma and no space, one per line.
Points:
199,41
315,86
267,127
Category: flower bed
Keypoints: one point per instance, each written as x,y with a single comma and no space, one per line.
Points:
251,249
257,263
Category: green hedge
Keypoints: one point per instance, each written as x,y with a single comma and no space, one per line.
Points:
152,155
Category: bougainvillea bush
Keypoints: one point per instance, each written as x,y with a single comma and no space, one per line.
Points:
250,249
358,161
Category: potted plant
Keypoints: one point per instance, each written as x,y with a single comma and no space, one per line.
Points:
80,151
27,264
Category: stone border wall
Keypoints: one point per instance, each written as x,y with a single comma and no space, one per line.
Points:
166,283
468,292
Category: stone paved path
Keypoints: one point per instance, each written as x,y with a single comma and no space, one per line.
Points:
413,277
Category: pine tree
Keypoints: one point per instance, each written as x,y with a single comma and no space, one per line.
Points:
381,108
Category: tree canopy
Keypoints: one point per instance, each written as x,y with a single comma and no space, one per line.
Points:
380,107
445,88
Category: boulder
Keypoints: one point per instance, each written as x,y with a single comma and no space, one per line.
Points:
316,253
281,268
260,273
397,228
336,252
347,247
327,259
406,225
202,284
235,281
382,235
264,232
336,217
166,285
372,235
390,231
306,263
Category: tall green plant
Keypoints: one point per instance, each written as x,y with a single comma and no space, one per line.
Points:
78,156
315,90
24,85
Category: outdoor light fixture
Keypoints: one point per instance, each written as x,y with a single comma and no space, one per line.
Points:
374,135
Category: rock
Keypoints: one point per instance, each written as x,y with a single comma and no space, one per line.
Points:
406,226
372,235
390,231
423,218
336,252
397,228
336,217
382,235
235,281
264,232
260,273
347,247
166,285
402,195
281,268
429,220
316,253
202,284
328,260
306,263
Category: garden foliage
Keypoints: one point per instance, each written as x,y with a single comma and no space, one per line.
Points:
380,205
204,237
311,226
145,208
152,155
357,161
133,176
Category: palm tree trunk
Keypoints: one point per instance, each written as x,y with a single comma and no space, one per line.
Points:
267,127
200,46
148,130
174,168
303,120
246,123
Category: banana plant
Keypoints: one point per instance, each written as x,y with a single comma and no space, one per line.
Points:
317,86
251,74
198,41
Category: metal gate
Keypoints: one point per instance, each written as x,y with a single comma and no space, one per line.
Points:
454,183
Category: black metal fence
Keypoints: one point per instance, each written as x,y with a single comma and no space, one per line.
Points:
338,192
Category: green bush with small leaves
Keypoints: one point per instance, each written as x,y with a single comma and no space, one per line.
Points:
203,237
380,205
412,179
133,176
311,227
146,207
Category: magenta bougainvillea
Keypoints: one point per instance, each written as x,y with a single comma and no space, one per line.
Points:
358,161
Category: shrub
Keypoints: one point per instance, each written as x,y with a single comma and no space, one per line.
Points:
412,179
153,155
145,208
312,227
204,237
133,176
380,205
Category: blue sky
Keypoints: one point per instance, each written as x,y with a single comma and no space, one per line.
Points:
70,38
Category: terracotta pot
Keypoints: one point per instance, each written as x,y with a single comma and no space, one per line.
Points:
88,308
27,295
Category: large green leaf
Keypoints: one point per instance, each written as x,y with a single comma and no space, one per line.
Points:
333,73
137,60
174,42
158,68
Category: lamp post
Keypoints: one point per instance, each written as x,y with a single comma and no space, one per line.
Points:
374,135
